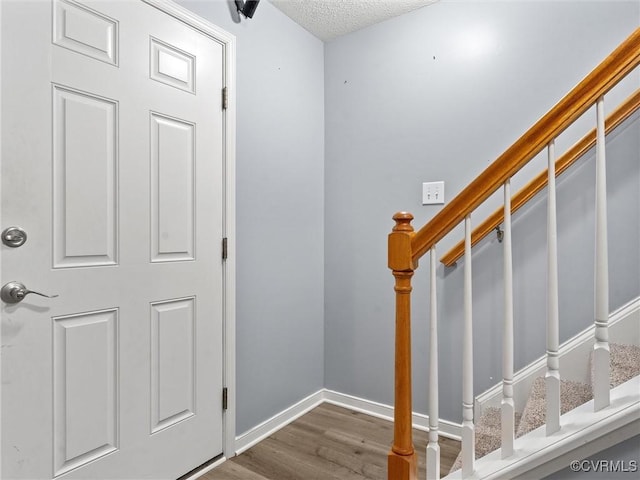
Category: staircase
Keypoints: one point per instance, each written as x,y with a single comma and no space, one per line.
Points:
625,364
562,420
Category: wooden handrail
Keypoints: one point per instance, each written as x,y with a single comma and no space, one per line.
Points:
602,79
526,193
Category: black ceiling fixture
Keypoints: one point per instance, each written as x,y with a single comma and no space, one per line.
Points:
247,8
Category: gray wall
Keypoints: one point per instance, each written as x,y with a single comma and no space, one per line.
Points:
280,203
405,102
343,134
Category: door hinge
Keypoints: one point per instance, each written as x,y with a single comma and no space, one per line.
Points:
225,398
225,98
224,248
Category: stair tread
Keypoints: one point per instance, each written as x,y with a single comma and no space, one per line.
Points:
488,431
572,395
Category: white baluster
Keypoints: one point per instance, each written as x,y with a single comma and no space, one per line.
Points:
468,428
601,346
508,410
552,377
433,449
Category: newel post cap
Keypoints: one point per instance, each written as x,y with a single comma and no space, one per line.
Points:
403,222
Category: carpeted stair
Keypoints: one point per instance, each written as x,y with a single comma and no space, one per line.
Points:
488,434
572,395
625,364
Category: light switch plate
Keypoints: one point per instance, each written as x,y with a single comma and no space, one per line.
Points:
433,193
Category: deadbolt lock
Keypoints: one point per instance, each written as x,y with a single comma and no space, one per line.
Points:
14,237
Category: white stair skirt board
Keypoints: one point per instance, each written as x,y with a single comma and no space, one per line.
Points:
584,433
573,353
269,427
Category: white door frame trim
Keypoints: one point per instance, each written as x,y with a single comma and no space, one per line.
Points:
1,336
228,42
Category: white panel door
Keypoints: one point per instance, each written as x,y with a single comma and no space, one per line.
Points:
112,162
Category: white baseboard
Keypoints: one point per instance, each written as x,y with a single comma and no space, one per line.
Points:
278,421
420,421
269,427
574,355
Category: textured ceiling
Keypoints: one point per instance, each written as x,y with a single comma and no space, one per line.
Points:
328,19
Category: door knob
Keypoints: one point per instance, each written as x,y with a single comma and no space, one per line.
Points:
14,292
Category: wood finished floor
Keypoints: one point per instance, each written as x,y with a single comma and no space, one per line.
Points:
328,443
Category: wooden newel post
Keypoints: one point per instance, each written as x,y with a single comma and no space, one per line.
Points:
402,464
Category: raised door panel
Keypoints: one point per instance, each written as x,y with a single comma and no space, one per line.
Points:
173,358
85,206
85,31
172,189
172,66
85,386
